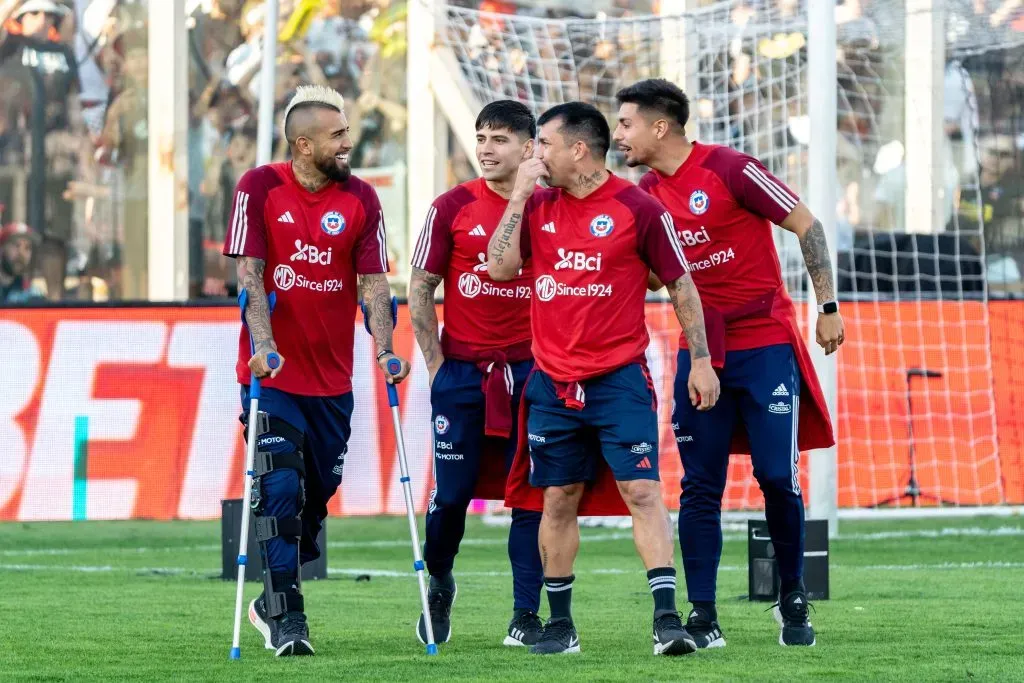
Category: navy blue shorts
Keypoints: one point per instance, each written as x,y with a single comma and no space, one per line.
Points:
761,387
457,412
619,422
325,423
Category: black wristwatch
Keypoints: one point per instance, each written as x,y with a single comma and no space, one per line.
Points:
828,307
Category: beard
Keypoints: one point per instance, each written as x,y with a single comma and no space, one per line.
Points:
330,168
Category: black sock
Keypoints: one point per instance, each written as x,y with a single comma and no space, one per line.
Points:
790,585
445,581
559,596
708,607
662,581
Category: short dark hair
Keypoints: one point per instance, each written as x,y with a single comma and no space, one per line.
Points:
581,121
658,95
510,115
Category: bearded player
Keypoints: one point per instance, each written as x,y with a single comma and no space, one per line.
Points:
314,234
477,368
593,238
723,203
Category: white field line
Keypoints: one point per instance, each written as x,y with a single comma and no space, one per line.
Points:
388,573
949,532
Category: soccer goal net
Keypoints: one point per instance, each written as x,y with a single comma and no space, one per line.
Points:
918,421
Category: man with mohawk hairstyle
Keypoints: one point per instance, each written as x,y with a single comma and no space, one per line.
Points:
314,234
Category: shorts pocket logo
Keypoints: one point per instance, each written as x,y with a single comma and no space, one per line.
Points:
780,408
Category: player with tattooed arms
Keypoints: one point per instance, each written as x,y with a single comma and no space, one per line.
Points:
723,203
314,234
592,238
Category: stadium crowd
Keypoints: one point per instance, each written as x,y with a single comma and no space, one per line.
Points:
74,76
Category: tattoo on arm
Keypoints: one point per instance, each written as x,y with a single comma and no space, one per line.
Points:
422,286
501,242
819,265
686,302
376,294
257,309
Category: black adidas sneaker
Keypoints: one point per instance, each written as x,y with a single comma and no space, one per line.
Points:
440,598
287,636
558,638
524,629
791,613
705,631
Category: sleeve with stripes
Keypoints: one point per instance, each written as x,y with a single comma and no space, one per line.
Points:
434,245
658,242
371,248
247,233
757,190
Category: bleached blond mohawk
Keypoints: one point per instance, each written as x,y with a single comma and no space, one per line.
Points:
313,94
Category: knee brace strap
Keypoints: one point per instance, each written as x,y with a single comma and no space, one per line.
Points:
289,528
265,462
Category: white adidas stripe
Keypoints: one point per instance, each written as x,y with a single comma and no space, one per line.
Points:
240,224
673,238
419,259
770,188
382,238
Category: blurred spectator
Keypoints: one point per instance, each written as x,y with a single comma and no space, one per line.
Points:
17,242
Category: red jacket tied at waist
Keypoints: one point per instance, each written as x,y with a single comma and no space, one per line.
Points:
814,422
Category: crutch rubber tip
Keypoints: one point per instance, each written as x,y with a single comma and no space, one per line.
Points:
418,565
431,649
236,652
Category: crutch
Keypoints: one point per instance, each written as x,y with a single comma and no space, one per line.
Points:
273,360
394,367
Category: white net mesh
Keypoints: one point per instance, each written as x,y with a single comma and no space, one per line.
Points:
918,301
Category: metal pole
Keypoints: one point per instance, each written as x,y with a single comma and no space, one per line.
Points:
268,75
821,198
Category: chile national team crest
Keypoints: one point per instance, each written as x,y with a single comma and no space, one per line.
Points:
699,202
602,226
333,223
441,424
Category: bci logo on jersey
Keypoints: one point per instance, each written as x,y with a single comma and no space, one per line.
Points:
699,202
602,226
692,238
577,260
308,252
333,223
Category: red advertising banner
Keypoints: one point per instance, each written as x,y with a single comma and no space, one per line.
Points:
125,413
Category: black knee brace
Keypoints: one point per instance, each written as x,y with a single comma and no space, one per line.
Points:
279,598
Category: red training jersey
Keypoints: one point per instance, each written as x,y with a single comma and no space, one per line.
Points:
480,313
314,245
723,203
591,257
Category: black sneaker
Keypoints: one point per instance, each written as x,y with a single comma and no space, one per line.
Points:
670,638
524,629
706,632
259,619
791,613
558,638
291,635
440,599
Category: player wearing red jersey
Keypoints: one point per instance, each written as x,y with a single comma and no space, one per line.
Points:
477,368
592,239
723,203
314,234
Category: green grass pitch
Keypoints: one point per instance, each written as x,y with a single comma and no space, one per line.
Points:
139,601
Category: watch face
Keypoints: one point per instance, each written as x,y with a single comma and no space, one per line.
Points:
831,307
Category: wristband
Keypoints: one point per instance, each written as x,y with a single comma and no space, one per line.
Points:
383,353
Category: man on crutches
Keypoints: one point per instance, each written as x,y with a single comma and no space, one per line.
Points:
314,234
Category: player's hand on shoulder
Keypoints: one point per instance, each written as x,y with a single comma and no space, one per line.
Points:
530,171
259,364
382,362
703,384
830,331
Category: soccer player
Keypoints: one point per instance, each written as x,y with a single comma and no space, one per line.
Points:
723,204
593,238
308,230
477,369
